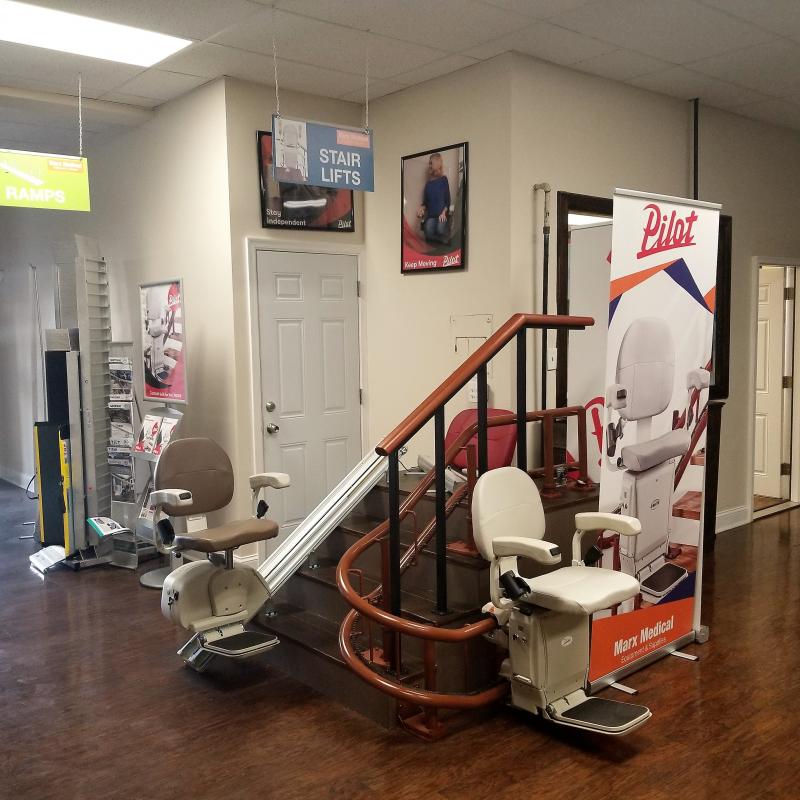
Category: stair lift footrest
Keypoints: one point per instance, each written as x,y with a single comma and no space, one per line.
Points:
664,579
241,645
606,715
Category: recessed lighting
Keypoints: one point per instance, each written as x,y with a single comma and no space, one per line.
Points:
577,220
21,23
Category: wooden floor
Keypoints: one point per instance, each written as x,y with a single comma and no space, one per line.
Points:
95,704
760,502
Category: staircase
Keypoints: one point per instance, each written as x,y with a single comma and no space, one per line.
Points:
309,610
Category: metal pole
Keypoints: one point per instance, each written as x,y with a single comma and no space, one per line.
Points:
441,516
483,401
522,442
394,533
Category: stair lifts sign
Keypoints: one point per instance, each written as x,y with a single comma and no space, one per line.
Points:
657,377
322,155
44,180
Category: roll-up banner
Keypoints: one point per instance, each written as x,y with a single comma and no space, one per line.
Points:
658,369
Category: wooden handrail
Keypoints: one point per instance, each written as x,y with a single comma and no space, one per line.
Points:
490,348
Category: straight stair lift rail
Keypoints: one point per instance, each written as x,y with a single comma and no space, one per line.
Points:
294,551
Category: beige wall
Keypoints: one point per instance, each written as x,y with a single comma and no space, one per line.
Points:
249,108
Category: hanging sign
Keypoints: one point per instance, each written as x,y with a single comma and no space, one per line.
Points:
657,376
322,155
43,180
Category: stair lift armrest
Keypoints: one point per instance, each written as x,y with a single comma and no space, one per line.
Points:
269,480
601,521
698,379
170,497
538,550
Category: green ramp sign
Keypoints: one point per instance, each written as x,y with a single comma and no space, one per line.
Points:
43,180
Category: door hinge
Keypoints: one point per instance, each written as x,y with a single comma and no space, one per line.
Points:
786,469
788,293
787,382
361,397
358,288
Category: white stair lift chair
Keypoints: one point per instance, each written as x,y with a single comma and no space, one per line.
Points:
547,618
645,377
214,598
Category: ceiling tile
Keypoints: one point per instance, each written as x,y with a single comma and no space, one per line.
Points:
189,19
376,89
676,31
325,45
159,84
538,9
686,84
772,68
435,69
451,25
621,65
545,41
132,99
49,70
778,112
779,16
211,60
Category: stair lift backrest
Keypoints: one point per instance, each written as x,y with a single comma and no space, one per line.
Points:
202,467
646,368
501,439
505,502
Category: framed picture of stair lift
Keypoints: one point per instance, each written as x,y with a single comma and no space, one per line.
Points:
657,386
299,206
433,209
162,315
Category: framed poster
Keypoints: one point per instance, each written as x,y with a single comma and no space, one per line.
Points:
163,341
433,216
297,205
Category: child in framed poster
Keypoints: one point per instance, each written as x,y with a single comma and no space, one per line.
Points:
163,342
434,209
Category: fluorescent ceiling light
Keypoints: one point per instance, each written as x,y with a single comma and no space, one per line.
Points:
576,220
84,36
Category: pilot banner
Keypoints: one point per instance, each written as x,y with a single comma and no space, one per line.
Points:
43,180
658,372
322,155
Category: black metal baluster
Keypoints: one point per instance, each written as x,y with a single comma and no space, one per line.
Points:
522,373
394,533
483,448
441,516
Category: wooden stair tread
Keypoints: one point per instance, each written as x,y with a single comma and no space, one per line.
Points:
689,505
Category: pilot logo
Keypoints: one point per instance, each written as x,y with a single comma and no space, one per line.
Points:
662,232
655,504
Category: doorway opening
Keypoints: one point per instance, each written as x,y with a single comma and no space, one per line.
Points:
774,485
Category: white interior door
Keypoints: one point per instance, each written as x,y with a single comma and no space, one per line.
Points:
769,383
310,375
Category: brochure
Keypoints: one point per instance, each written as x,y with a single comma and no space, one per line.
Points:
121,372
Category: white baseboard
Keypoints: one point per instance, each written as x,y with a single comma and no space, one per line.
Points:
733,518
14,476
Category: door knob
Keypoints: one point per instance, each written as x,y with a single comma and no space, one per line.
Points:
270,406
272,428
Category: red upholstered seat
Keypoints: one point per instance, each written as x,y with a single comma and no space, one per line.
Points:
501,440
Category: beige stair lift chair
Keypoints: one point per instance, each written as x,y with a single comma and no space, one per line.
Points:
212,598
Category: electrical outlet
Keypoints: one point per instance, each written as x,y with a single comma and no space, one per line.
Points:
472,390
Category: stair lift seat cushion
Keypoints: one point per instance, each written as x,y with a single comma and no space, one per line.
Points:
646,368
198,465
501,440
581,590
228,536
505,502
642,456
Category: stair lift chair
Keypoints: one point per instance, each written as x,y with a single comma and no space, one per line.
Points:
643,389
213,598
546,620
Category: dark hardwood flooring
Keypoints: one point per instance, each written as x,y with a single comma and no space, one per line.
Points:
95,704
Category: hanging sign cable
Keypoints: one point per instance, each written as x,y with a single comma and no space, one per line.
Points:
275,65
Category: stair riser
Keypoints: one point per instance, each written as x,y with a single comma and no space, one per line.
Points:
376,504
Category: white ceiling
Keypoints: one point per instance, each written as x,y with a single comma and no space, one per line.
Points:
738,55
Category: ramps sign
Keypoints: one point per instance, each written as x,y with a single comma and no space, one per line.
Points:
44,180
322,155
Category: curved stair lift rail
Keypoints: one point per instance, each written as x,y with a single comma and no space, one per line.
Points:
382,605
